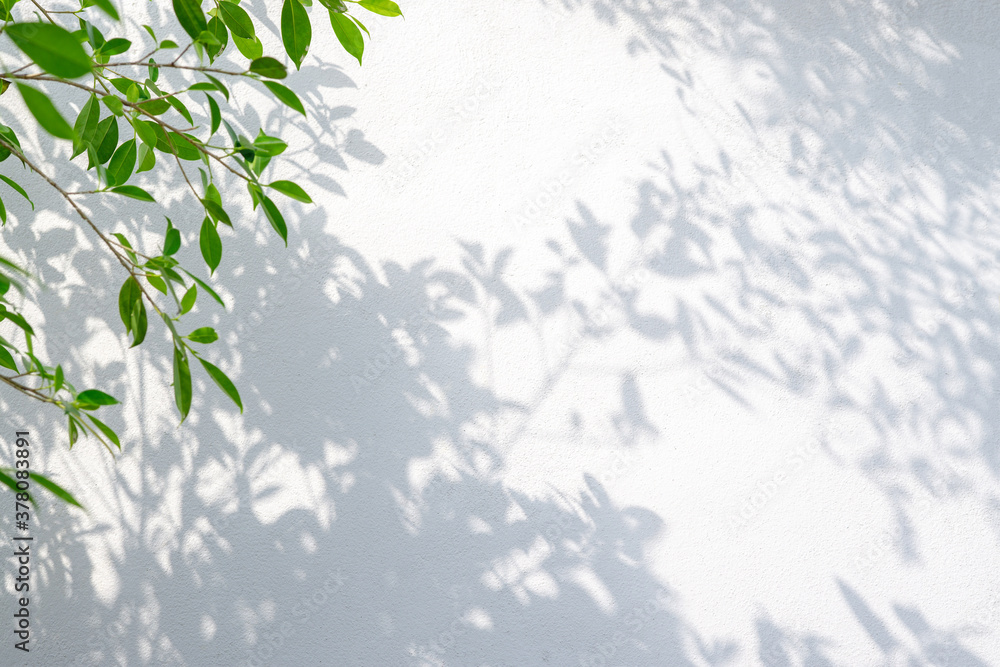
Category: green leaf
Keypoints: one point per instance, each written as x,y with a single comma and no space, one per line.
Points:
177,144
211,244
7,360
86,124
383,7
204,335
274,217
348,34
187,302
216,211
202,284
292,190
52,48
57,383
96,398
182,382
158,283
9,481
106,430
224,383
181,109
269,67
146,130
133,191
172,241
286,96
269,145
250,48
128,296
219,86
115,46
146,159
54,489
113,104
213,108
3,213
109,9
217,29
296,31
45,113
122,164
73,433
18,189
106,139
191,18
236,19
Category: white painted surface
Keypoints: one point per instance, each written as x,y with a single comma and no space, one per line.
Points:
629,334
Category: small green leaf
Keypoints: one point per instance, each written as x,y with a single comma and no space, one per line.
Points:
73,433
115,46
146,159
54,489
113,104
236,19
181,109
146,131
106,139
133,191
211,244
204,335
220,34
274,217
202,284
296,31
190,16
383,7
86,124
187,302
250,48
45,113
348,34
213,108
7,360
216,211
157,282
122,164
106,430
172,241
286,96
182,382
52,48
95,398
109,9
18,189
269,67
9,482
292,190
57,383
224,383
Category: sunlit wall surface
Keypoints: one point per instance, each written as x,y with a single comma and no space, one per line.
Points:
635,333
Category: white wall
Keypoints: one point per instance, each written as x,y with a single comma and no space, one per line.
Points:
636,334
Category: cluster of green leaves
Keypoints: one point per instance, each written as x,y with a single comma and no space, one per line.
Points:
130,121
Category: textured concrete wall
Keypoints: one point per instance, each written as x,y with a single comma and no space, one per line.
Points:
639,334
